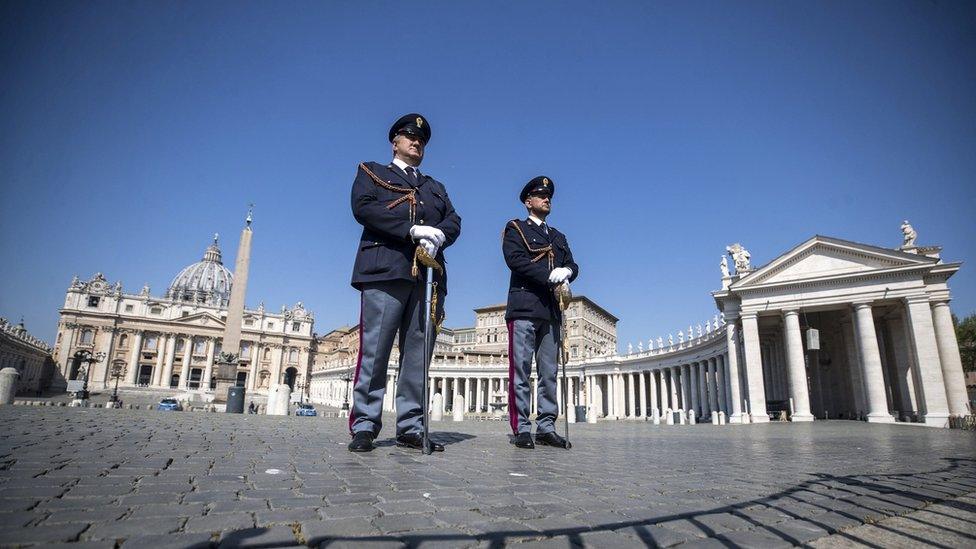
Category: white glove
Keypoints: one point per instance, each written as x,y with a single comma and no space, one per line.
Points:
560,275
429,246
433,234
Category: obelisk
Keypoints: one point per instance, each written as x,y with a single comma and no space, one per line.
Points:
228,360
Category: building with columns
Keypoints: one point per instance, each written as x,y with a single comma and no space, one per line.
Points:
30,356
831,329
171,342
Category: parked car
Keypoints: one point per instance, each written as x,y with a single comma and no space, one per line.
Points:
305,410
169,405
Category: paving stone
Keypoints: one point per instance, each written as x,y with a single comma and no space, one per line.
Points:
54,533
275,536
219,522
169,541
133,527
105,513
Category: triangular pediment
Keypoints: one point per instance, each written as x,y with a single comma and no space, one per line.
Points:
201,319
824,257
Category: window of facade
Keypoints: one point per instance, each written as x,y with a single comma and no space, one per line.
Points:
185,314
180,345
574,351
248,322
123,341
199,346
87,336
267,354
93,301
156,310
151,342
128,308
293,355
245,349
295,326
271,325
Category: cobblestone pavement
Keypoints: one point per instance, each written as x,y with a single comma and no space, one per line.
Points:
135,478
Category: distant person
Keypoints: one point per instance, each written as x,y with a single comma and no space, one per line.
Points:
400,208
250,407
540,260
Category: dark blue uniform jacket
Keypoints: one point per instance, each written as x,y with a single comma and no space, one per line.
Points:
529,291
385,248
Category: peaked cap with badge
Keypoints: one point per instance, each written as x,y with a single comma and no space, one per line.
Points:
411,124
538,185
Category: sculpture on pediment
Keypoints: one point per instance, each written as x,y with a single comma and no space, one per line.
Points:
740,256
699,328
724,266
909,235
630,348
118,289
144,292
261,308
681,337
640,346
670,340
660,342
76,283
650,344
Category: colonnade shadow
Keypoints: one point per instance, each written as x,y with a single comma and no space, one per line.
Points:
875,495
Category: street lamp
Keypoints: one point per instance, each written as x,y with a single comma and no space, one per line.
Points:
117,366
88,358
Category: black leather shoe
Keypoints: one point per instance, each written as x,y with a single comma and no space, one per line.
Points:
523,440
552,439
362,441
416,441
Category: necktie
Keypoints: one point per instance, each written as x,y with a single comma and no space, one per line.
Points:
545,228
412,172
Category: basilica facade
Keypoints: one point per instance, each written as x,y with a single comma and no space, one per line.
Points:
171,341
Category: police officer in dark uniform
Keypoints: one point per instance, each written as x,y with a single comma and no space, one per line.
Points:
540,259
400,208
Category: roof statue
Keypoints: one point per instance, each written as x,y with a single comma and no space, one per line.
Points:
741,258
724,267
909,235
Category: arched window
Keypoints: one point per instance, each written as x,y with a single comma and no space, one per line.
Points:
123,341
87,336
267,354
151,341
293,355
199,346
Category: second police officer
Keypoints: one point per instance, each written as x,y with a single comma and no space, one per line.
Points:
540,260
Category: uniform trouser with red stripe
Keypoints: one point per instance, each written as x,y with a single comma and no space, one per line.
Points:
529,338
386,308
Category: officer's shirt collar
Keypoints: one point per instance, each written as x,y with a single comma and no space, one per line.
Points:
403,165
536,220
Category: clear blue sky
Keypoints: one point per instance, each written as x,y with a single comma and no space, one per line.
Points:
132,131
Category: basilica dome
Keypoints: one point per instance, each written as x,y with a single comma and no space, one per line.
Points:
207,281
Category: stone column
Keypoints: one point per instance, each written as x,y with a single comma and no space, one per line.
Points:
723,365
185,369
479,399
631,399
723,405
930,367
701,389
874,387
796,367
252,377
491,392
712,385
854,365
735,394
952,374
687,388
208,368
611,401
652,391
161,344
673,380
754,375
642,401
134,357
170,358
663,374
693,388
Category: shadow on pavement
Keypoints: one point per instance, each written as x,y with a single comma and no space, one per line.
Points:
852,500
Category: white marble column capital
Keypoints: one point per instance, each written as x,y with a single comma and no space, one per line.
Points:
861,305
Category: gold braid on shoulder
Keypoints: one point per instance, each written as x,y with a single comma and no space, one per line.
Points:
409,193
544,251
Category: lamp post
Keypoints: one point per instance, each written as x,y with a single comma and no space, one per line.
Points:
88,358
117,366
345,403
